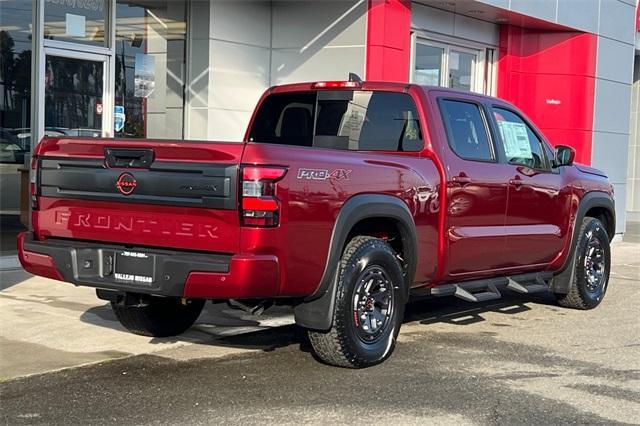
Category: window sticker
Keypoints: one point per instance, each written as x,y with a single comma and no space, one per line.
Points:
516,140
75,25
119,118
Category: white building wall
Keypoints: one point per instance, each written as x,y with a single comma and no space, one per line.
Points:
430,20
318,40
239,48
612,111
633,165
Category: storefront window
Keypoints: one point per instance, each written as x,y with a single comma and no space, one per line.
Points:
461,69
73,97
149,71
15,111
441,64
428,65
78,21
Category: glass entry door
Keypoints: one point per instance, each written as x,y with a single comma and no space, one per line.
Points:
74,86
441,64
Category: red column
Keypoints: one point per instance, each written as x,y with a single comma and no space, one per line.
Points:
388,40
550,75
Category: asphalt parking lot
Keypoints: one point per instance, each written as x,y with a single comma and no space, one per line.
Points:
520,360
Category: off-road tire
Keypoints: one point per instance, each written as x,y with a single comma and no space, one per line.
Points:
579,297
158,316
341,346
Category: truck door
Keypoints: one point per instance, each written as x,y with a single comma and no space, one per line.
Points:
537,211
477,187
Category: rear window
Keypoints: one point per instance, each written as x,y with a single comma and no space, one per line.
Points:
348,120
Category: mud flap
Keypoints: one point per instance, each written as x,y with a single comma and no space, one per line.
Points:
562,282
317,314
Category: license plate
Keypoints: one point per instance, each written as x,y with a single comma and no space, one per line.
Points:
134,267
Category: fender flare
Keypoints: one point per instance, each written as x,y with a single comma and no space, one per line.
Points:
561,282
316,311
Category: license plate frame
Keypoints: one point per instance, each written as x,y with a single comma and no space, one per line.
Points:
134,267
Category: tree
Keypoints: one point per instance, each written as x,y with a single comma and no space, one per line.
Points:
6,66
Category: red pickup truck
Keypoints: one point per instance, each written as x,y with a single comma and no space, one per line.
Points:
344,199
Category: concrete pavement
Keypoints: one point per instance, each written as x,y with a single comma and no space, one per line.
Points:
519,360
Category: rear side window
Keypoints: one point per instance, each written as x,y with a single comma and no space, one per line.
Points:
521,145
357,121
285,119
466,130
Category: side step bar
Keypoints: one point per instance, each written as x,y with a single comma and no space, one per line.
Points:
492,293
487,289
540,285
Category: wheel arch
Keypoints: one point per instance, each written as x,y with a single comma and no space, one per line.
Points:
363,214
599,205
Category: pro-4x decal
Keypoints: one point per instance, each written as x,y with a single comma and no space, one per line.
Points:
324,174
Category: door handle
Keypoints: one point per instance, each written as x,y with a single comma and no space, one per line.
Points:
516,181
461,179
127,157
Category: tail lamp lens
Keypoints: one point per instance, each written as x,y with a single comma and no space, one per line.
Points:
260,207
33,183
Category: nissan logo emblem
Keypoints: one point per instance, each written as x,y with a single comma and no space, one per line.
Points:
126,183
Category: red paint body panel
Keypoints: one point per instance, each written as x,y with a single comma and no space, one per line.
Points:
250,276
481,229
302,240
550,75
36,263
143,224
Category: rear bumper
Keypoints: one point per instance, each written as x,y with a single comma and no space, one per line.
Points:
176,273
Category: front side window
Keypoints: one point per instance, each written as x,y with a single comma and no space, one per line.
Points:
356,121
466,130
521,145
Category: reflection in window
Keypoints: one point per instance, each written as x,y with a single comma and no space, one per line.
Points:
466,131
15,117
428,65
359,120
371,121
15,80
461,70
149,69
78,21
73,97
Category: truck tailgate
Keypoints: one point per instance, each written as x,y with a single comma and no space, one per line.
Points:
165,194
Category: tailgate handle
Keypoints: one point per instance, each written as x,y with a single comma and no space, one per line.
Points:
124,157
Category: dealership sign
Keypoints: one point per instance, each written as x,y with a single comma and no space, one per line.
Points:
95,5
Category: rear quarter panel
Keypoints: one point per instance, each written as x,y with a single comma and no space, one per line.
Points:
310,206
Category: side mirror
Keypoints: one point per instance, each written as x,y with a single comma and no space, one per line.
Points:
564,156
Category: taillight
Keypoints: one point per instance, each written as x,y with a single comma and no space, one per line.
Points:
33,183
259,205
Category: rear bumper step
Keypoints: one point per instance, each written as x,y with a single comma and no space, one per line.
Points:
175,273
92,264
